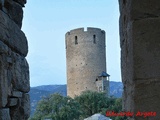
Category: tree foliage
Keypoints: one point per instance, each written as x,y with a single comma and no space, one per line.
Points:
92,102
58,107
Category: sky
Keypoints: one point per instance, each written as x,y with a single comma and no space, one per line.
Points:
45,23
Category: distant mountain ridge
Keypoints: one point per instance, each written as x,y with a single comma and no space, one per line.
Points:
62,89
36,93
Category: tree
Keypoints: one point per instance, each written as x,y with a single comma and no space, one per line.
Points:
57,107
92,102
115,104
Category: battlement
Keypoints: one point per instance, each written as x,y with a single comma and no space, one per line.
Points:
82,30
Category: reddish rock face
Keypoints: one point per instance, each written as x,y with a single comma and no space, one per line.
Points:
140,55
14,69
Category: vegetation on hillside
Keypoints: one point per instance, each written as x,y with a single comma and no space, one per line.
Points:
36,93
58,107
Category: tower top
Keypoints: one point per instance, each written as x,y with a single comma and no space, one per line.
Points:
81,30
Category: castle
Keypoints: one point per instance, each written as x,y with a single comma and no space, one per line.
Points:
86,61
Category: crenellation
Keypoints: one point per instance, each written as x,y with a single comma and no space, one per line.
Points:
92,29
82,30
76,31
102,31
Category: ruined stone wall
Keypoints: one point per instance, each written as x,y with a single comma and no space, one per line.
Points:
85,60
14,69
140,55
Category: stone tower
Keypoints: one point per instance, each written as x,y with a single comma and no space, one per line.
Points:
86,61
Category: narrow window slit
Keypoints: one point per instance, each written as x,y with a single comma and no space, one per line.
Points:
94,39
76,40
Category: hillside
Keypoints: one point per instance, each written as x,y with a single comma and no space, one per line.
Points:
36,93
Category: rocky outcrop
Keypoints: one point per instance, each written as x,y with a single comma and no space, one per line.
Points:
140,55
14,69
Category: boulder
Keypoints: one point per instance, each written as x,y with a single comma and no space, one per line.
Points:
97,116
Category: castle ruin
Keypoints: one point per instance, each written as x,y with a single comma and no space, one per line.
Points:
140,54
86,61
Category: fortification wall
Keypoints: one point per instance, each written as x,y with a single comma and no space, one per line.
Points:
86,59
14,69
140,54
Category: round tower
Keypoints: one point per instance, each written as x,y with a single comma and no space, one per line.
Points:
86,59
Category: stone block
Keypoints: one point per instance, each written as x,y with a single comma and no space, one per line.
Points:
12,36
3,83
12,102
21,111
25,106
17,94
15,113
146,48
4,114
21,74
15,11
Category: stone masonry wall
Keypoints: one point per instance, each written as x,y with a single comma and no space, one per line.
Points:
140,56
14,69
85,60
